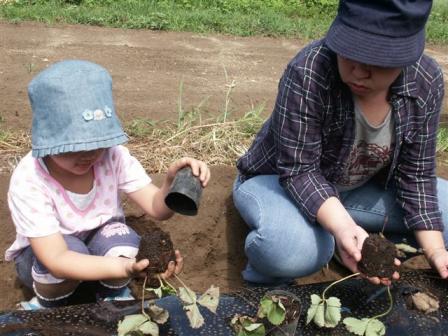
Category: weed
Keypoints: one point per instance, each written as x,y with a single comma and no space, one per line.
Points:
442,139
307,19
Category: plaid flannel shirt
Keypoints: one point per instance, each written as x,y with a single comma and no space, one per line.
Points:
308,137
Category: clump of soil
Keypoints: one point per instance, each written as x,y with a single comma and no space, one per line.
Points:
157,247
378,255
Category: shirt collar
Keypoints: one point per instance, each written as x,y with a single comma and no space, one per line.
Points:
405,84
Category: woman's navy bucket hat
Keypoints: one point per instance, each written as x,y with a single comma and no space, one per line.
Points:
73,109
385,33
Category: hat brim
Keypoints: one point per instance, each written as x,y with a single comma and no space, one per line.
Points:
374,49
79,147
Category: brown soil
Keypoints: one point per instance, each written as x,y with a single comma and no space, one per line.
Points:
378,256
147,68
157,247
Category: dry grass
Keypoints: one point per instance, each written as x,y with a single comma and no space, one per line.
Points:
215,142
157,144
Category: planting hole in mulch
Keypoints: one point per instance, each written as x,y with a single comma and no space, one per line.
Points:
293,307
378,255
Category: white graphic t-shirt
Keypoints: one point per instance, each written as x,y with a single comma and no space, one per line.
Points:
40,206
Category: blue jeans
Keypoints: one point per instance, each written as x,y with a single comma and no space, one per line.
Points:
111,239
282,244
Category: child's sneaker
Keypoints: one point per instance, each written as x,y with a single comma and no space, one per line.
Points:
32,304
122,294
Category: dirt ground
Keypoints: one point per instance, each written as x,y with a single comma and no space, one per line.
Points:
148,69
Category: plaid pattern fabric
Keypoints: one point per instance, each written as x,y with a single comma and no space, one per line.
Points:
308,137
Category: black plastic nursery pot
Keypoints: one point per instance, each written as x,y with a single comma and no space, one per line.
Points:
185,193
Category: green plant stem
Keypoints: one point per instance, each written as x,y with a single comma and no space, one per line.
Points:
185,286
167,282
180,112
143,298
227,102
391,303
336,282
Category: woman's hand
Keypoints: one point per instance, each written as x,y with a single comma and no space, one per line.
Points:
349,241
438,258
198,168
433,245
386,281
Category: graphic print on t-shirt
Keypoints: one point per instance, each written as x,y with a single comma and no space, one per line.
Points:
366,159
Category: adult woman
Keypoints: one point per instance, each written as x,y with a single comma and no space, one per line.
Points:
351,142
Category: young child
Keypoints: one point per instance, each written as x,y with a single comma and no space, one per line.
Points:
349,148
64,195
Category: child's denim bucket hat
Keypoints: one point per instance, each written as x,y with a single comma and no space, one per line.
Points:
385,33
73,109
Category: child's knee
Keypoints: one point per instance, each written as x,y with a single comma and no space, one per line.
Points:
122,251
114,240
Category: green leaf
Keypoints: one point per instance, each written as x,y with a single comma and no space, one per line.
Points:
149,328
187,296
319,318
194,316
157,291
167,290
130,323
210,299
265,306
158,314
277,313
333,312
315,300
375,328
356,326
247,326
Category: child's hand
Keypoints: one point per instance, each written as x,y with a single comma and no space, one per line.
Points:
438,258
135,269
174,267
198,169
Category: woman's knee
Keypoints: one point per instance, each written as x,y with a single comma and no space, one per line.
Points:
289,255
